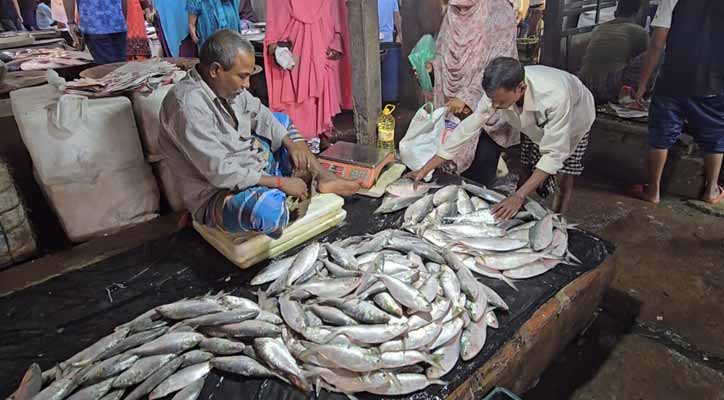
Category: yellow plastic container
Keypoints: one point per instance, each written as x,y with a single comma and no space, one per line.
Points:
386,129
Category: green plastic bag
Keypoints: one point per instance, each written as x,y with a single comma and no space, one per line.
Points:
423,52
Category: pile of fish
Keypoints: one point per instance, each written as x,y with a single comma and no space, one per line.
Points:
389,313
458,217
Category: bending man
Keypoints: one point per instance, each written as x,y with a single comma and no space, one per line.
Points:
552,109
232,158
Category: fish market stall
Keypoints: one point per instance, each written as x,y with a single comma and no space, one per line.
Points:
512,330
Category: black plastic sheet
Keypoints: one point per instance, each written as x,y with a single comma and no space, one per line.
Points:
50,322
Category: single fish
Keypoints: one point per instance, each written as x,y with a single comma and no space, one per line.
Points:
449,355
134,341
315,271
221,318
415,245
405,384
292,313
108,368
342,256
491,320
185,309
311,319
140,323
180,380
414,339
535,209
493,297
494,244
141,370
507,261
303,262
369,334
253,328
195,357
510,224
190,392
449,331
332,315
444,210
266,316
405,187
275,354
478,203
541,234
273,271
471,230
363,311
373,245
30,384
418,210
334,288
530,270
523,234
392,204
449,283
236,302
465,205
351,358
93,392
62,387
559,245
473,339
175,342
440,308
405,358
114,395
386,302
436,237
485,194
93,352
446,194
222,347
405,294
243,365
160,375
338,271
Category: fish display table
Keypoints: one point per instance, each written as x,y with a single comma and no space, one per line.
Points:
50,322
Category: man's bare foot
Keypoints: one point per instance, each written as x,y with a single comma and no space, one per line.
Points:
330,183
714,196
645,193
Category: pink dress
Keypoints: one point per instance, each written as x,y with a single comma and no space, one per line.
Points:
317,88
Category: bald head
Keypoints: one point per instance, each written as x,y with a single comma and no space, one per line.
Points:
223,47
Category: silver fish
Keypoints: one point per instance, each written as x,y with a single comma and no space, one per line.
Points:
93,392
61,388
392,204
142,369
535,209
525,227
478,203
221,347
180,380
440,308
449,354
369,334
185,309
448,209
315,271
491,320
141,322
338,287
292,313
405,294
405,384
386,302
253,328
275,354
417,246
436,237
414,339
351,358
272,271
494,244
541,234
195,357
559,245
472,230
510,224
311,319
174,342
244,366
373,245
266,316
338,271
222,318
304,260
493,297
449,283
133,341
237,302
523,234
190,392
473,339
108,368
484,216
332,315
448,193
485,194
155,378
405,187
418,210
449,331
93,352
506,261
343,257
405,358
465,205
30,384
114,395
530,270
362,311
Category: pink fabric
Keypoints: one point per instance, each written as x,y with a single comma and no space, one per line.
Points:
473,33
317,88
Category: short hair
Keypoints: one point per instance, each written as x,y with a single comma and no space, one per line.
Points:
503,72
627,8
222,47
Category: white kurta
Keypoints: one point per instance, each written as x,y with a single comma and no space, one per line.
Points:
558,111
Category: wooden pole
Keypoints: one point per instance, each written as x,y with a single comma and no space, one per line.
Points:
365,48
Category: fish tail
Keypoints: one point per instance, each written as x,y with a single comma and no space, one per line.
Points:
438,382
508,281
435,360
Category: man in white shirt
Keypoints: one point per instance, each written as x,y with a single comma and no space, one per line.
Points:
552,109
689,89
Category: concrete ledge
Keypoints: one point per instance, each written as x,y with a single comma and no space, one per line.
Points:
519,363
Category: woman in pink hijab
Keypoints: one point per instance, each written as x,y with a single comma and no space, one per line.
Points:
473,33
315,83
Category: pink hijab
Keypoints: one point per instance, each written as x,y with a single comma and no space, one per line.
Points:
317,88
473,33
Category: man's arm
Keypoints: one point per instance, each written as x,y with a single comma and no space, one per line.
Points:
654,52
69,6
124,6
398,26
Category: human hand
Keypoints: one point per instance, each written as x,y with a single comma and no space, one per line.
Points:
456,106
294,187
74,32
301,157
507,208
639,96
271,48
333,54
416,175
399,38
194,36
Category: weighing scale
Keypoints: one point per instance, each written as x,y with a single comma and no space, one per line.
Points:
356,161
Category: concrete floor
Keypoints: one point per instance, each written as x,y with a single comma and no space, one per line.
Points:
659,333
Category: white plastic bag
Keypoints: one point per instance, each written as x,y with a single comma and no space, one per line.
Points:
284,58
423,136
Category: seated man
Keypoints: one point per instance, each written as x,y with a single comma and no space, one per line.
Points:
232,158
614,55
553,111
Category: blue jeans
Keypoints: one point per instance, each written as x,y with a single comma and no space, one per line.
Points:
705,117
107,49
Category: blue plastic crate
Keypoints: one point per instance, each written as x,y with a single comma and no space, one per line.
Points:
500,393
